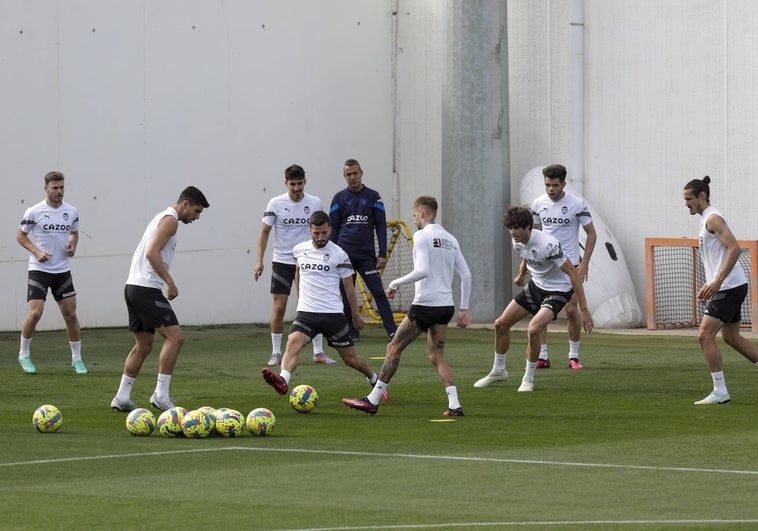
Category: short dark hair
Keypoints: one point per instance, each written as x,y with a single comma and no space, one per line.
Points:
427,202
318,218
555,171
53,176
353,162
700,185
294,173
194,196
519,217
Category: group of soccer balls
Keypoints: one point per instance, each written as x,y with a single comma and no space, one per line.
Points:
201,423
195,424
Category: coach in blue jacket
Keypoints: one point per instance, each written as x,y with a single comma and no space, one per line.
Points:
356,213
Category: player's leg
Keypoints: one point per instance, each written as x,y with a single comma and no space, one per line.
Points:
706,336
406,333
303,328
67,307
537,326
173,340
512,314
574,318
435,340
732,336
38,283
544,361
143,345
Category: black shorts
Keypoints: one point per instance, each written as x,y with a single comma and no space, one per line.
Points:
282,277
534,298
426,317
60,284
334,326
727,305
148,309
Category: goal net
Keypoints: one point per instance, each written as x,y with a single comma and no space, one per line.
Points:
674,274
399,263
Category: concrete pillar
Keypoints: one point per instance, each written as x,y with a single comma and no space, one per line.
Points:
475,148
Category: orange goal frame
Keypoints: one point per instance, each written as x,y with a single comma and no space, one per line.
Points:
693,243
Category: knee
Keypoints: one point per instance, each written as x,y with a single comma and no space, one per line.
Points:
34,315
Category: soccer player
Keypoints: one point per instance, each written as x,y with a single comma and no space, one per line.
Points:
561,214
149,310
436,256
53,226
321,267
553,284
288,214
356,213
724,291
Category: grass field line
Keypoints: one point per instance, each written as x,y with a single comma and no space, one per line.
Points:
395,455
528,523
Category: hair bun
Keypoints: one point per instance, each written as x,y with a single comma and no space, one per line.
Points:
706,179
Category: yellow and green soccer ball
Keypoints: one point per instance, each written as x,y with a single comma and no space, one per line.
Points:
170,422
303,398
140,422
260,422
229,422
197,424
47,419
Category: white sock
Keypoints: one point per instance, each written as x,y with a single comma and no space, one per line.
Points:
375,396
543,352
373,379
287,375
276,343
76,350
162,386
452,397
318,344
719,384
23,351
574,349
529,372
125,388
499,364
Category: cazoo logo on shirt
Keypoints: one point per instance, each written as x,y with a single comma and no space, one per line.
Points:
56,227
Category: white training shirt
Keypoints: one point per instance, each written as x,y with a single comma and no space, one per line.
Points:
561,219
713,253
48,228
436,256
321,273
290,220
544,257
141,273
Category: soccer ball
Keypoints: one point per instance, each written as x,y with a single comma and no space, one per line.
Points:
212,414
261,422
303,398
229,422
140,422
196,424
47,419
170,422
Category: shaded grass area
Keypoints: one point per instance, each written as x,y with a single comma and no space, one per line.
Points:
617,445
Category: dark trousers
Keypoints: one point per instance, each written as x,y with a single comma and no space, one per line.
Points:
366,267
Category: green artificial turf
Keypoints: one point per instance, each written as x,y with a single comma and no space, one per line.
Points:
618,445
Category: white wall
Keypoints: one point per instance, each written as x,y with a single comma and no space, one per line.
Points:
133,101
669,95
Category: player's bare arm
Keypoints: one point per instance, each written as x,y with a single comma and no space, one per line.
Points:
347,284
73,241
167,227
717,226
262,243
589,247
23,239
520,279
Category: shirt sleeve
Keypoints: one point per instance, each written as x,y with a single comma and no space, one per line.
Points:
461,267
